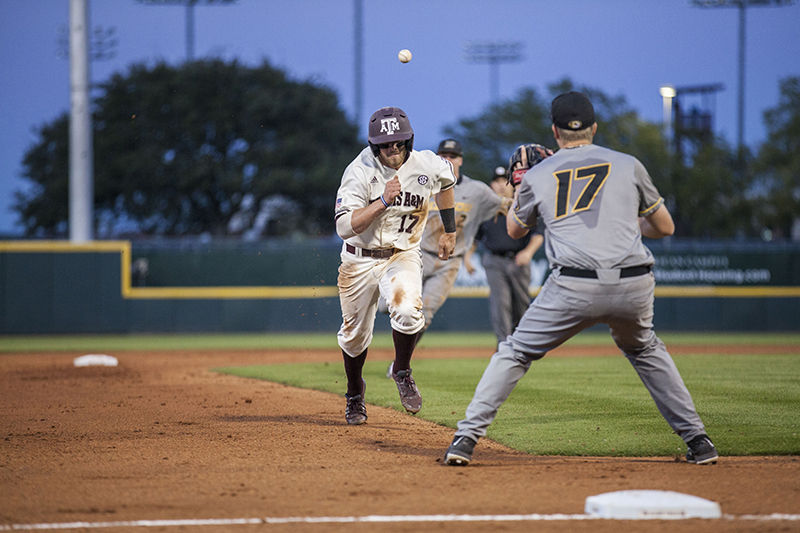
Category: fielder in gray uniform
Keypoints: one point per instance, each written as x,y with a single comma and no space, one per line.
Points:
596,205
381,212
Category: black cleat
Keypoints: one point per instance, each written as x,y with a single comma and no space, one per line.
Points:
701,451
460,451
356,410
409,394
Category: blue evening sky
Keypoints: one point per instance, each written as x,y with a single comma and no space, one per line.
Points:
623,47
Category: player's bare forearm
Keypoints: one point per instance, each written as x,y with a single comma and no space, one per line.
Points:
362,218
505,206
446,199
468,266
513,228
468,258
658,224
526,254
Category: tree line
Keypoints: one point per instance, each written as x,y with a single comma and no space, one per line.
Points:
218,148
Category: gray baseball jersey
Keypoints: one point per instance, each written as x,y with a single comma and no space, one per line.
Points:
563,188
590,199
475,203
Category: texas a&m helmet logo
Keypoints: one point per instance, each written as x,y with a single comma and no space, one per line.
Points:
389,125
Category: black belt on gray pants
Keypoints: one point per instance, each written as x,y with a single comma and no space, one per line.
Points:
508,254
378,254
627,272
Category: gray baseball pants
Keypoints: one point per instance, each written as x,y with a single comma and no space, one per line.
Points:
509,295
566,306
438,278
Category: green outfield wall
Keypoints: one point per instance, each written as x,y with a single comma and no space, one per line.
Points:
55,287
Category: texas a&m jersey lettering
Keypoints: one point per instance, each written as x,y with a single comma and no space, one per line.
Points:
407,199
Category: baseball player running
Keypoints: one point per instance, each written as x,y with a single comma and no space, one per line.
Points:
596,204
381,211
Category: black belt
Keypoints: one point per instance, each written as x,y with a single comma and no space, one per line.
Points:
510,254
378,254
627,272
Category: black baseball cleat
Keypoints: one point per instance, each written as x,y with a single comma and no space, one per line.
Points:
701,451
460,451
355,412
409,394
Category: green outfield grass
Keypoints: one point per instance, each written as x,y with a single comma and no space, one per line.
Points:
305,340
593,405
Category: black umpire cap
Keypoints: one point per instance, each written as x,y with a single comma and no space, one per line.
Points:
450,146
572,111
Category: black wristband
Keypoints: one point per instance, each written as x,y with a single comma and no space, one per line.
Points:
448,219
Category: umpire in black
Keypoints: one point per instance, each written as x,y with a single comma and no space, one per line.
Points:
507,263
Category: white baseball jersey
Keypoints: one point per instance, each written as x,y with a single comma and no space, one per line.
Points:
400,226
398,278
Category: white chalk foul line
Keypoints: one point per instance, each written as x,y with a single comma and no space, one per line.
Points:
296,520
353,519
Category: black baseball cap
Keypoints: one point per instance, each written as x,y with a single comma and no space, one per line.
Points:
572,111
450,146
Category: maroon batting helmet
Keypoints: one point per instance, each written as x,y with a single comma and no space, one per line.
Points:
390,124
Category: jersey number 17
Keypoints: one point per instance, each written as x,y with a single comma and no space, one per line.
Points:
411,220
596,176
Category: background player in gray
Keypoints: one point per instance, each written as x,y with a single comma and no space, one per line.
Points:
507,263
475,202
596,204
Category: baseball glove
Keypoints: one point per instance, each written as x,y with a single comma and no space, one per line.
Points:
523,158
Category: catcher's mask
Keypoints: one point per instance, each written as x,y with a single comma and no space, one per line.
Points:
523,158
390,124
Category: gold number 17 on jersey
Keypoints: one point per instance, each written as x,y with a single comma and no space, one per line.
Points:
596,176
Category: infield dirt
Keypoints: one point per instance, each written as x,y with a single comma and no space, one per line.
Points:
161,436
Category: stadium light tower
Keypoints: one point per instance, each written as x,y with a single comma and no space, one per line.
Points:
493,53
358,58
696,123
81,155
667,94
742,6
189,17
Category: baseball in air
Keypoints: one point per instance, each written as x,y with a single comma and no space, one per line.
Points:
404,55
